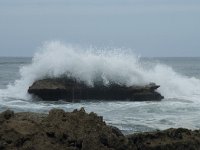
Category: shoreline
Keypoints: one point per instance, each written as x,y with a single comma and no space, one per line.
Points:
79,130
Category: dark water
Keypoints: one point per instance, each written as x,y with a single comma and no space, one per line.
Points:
173,111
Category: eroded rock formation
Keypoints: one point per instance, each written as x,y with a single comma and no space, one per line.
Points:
72,90
79,130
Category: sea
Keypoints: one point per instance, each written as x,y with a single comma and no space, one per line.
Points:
179,78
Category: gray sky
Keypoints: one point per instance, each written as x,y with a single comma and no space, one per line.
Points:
149,27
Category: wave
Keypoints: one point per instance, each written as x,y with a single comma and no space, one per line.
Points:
55,59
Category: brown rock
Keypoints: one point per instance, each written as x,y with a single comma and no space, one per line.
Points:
59,130
171,139
78,130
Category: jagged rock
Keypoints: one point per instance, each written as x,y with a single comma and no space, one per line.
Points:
170,139
59,130
79,130
72,90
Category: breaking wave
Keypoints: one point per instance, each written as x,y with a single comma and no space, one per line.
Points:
55,59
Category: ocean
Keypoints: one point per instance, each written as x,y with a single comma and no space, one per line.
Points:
179,79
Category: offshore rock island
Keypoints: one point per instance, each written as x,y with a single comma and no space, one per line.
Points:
79,130
70,90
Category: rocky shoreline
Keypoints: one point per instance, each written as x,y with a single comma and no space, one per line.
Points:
79,130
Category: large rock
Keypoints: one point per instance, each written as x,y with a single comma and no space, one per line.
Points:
79,130
72,90
59,130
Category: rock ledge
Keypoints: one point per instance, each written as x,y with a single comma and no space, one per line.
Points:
72,90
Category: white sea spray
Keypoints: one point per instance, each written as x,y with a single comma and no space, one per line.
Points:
55,59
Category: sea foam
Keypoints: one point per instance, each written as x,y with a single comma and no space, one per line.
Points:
55,59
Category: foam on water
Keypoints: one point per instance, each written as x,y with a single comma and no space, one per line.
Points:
55,59
180,108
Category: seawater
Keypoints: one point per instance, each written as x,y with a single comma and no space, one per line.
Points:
179,79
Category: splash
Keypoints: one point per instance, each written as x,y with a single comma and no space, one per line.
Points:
55,59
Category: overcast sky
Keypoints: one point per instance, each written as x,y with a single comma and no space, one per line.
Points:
149,27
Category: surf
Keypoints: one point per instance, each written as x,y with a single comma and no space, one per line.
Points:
55,59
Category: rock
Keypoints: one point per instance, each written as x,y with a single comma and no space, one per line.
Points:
170,139
59,130
7,114
116,131
79,130
72,90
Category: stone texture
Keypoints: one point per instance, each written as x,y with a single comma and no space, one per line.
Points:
79,130
72,90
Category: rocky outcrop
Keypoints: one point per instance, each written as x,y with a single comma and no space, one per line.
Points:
79,130
58,130
170,139
72,90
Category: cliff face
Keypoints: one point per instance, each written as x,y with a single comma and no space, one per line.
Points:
79,130
72,90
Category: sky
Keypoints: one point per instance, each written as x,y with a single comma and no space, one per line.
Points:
151,28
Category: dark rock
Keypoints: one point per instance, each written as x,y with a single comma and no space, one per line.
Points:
72,90
171,139
7,114
116,131
59,130
81,131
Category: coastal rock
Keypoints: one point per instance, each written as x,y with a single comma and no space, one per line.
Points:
78,130
72,90
170,139
59,130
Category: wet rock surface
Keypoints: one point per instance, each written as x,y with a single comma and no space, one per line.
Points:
58,130
170,139
72,90
79,130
